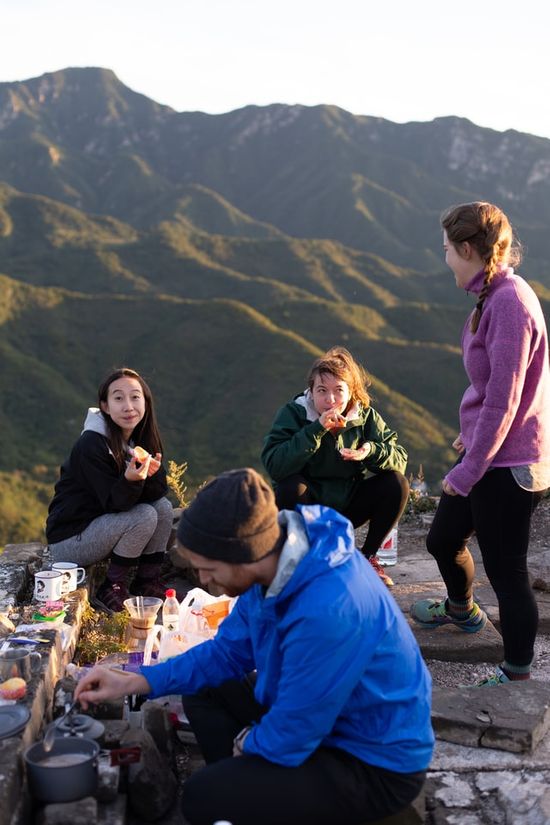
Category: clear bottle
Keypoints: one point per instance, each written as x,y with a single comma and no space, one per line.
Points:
387,553
171,611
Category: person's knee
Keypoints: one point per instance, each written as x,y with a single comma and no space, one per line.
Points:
145,518
395,484
164,510
202,800
196,799
433,545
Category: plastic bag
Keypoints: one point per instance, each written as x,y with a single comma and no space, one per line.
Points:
200,612
199,617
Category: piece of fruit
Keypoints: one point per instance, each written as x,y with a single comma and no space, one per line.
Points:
341,422
14,688
141,454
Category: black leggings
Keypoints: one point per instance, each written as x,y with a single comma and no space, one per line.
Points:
499,511
331,786
380,500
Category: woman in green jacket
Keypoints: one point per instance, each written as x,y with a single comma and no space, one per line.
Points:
329,446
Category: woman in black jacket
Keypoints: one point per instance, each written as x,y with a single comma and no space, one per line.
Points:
110,500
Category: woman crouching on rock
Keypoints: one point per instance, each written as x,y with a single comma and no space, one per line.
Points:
329,446
110,502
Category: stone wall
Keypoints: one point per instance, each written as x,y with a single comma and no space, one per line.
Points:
18,563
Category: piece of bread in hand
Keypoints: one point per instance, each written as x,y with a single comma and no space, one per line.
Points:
140,454
339,424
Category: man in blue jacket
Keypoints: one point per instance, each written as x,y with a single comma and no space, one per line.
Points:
312,704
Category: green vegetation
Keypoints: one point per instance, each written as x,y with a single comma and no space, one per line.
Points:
101,635
219,255
24,499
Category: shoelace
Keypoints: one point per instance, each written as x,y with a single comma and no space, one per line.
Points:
438,609
489,681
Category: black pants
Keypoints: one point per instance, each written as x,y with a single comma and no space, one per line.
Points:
380,500
330,787
499,511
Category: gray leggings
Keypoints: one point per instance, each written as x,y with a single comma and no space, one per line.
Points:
143,530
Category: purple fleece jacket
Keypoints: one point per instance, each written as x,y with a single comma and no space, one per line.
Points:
505,412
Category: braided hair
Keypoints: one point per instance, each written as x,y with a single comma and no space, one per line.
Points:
488,231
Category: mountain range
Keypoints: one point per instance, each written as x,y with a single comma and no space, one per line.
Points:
220,254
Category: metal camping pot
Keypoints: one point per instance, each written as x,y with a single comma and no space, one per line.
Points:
64,774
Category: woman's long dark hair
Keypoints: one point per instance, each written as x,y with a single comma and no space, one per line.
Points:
146,433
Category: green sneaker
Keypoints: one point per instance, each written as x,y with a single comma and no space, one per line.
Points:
498,678
434,613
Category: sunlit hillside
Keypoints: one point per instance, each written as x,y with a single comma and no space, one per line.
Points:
219,255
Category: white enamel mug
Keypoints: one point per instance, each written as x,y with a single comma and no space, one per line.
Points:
72,575
47,585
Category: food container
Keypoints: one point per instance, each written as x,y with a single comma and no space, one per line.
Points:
64,774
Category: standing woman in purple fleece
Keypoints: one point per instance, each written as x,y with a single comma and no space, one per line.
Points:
504,441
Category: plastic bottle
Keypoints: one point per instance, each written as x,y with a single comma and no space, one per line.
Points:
387,553
170,611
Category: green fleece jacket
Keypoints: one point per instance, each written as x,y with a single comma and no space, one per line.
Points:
298,443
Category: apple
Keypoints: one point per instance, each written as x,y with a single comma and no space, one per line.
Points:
14,688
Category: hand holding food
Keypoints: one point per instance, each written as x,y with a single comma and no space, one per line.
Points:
348,454
141,454
138,468
332,420
154,464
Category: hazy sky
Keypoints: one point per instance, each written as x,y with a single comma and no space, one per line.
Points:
398,59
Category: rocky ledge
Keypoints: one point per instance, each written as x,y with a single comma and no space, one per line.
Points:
492,757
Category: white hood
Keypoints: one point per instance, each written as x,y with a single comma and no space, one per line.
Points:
294,549
306,401
95,422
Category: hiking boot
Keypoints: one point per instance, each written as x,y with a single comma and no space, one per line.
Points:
112,594
148,587
497,678
435,613
375,564
148,581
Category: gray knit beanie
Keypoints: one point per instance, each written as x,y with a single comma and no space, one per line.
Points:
233,519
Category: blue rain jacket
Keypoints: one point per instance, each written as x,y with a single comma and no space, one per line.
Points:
337,664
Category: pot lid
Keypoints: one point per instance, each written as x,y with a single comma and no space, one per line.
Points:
13,719
80,725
